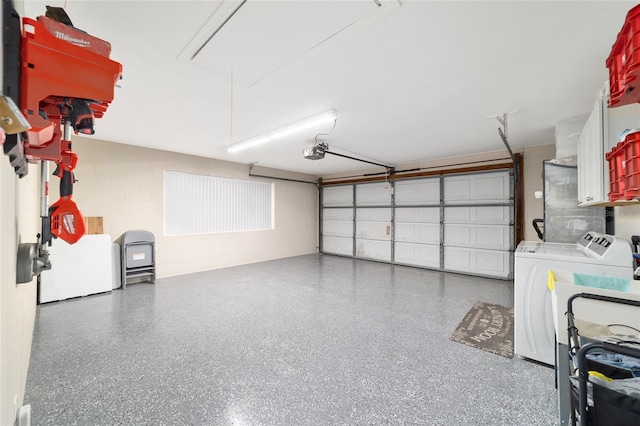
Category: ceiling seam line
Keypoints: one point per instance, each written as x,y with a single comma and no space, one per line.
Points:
217,30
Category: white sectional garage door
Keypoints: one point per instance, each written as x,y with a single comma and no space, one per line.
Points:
373,221
417,222
337,220
462,223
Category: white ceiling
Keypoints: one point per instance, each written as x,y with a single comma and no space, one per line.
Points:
410,80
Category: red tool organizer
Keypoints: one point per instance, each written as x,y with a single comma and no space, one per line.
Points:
60,63
65,73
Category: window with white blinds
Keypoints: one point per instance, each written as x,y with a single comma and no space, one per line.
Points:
198,204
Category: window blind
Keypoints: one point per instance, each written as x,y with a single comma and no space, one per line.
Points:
199,204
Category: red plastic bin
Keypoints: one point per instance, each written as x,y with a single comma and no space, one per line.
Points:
617,178
616,65
631,31
632,165
624,62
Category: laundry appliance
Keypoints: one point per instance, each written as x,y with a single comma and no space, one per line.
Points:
593,254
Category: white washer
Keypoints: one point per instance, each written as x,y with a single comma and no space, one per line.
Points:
593,254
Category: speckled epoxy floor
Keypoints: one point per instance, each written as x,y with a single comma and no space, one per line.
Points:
310,340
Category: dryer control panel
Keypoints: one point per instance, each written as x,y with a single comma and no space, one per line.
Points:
603,246
586,239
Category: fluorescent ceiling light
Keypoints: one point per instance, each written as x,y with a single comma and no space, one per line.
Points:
307,123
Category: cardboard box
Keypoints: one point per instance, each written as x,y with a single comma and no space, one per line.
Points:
94,225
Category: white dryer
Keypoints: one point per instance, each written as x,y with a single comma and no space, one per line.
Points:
593,254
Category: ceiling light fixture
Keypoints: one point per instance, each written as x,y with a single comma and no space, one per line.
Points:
307,123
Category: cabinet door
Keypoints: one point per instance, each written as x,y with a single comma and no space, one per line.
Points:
591,179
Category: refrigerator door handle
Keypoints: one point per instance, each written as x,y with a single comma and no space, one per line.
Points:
536,225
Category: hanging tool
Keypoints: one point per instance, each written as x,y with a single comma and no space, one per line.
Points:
66,80
66,221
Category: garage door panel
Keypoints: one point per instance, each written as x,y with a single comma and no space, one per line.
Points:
418,254
373,230
418,214
341,195
484,262
337,228
476,188
495,237
480,214
420,191
337,245
374,214
337,214
373,193
491,186
371,249
426,233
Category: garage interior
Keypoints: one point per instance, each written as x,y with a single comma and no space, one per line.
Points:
306,340
334,300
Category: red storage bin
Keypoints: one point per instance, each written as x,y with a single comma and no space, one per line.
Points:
615,63
632,166
632,41
617,178
624,62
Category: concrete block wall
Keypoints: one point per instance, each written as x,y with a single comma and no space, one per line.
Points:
125,185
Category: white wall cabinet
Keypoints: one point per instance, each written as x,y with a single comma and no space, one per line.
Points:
601,133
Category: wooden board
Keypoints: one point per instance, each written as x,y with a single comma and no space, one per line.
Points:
94,225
